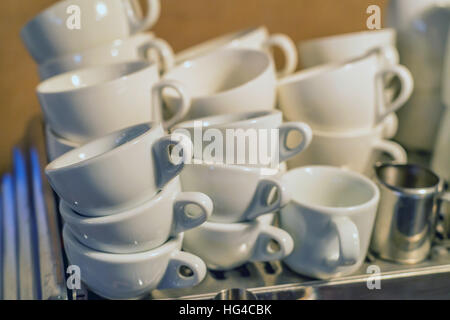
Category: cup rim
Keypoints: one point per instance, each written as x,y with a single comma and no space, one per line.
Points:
72,217
388,31
337,210
260,221
221,40
170,245
60,140
320,70
236,51
418,192
55,166
225,120
45,87
379,127
242,168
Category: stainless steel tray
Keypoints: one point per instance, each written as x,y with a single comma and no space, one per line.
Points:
273,281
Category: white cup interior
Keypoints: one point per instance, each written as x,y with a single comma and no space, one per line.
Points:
220,71
90,77
100,146
328,187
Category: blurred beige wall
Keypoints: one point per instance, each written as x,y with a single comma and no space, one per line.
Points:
182,23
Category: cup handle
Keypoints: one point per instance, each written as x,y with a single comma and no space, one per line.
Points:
269,234
390,126
165,169
289,50
406,89
259,206
138,24
164,52
349,242
184,220
306,133
395,150
157,102
173,278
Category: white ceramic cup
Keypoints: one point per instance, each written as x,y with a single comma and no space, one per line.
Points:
351,150
224,81
142,46
142,228
348,46
224,246
244,137
72,25
257,38
89,103
57,146
131,276
239,193
330,217
343,96
117,172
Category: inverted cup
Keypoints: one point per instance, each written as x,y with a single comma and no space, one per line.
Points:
131,276
116,172
257,240
330,217
144,227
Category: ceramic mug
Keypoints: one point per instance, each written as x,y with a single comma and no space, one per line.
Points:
72,25
239,193
117,172
354,97
224,81
131,276
257,38
330,217
227,246
57,146
142,228
141,46
351,150
348,46
89,103
244,136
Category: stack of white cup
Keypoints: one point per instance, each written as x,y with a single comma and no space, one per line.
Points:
125,213
348,96
72,35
